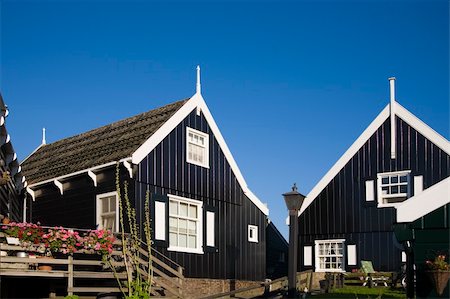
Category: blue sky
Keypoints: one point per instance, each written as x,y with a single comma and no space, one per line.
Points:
290,84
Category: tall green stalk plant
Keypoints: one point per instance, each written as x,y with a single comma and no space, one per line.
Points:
138,285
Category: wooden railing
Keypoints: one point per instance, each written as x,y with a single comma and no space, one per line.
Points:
268,287
166,280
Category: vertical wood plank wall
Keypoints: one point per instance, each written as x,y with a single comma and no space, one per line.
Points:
340,210
165,171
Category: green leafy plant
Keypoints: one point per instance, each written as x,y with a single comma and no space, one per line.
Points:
438,264
138,285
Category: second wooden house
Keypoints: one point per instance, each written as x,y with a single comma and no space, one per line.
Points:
204,216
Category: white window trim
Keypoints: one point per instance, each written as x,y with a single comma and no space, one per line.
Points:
380,196
199,204
99,209
316,258
255,238
206,137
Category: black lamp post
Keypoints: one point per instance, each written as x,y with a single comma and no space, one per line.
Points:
294,201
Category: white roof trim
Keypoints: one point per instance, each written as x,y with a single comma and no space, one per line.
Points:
77,173
402,113
354,148
195,102
425,202
423,128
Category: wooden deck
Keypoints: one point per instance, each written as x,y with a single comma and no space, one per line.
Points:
78,267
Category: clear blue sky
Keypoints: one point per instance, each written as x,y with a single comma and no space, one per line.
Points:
290,84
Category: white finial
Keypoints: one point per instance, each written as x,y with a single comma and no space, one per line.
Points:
43,136
198,87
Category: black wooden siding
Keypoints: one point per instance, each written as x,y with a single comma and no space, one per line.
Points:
341,211
165,171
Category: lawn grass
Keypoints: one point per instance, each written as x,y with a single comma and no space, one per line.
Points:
359,292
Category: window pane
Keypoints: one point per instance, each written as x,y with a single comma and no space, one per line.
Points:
394,190
192,227
192,242
403,189
403,179
385,180
173,240
192,211
183,209
112,204
182,226
384,190
182,240
105,205
394,179
173,207
173,224
191,137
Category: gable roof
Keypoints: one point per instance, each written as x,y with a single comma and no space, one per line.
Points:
133,138
400,112
106,144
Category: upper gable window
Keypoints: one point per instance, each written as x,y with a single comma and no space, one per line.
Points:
197,147
393,188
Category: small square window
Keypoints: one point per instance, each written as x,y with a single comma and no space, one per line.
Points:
393,188
107,213
253,233
197,148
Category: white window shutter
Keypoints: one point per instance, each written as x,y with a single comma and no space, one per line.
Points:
210,229
160,220
307,255
418,184
351,255
370,191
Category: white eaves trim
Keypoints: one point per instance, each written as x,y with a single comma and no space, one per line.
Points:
196,102
402,113
422,128
87,171
354,148
426,202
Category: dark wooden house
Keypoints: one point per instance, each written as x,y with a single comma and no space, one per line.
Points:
423,227
12,182
203,214
349,215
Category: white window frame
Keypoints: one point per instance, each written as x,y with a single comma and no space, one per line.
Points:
382,197
199,228
99,209
206,146
318,256
253,228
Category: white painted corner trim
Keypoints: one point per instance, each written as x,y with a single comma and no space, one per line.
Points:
196,102
425,202
402,113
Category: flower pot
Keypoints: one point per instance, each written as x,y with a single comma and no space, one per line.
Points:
45,268
439,280
21,254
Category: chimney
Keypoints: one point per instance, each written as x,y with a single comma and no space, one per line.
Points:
392,112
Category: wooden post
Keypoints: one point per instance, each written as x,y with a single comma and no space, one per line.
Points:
180,270
70,277
370,280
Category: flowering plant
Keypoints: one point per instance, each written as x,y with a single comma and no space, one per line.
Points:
439,264
59,239
26,232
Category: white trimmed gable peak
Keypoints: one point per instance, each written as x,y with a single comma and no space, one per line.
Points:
196,102
400,112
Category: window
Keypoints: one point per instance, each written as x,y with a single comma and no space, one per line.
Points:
253,233
393,187
330,255
197,148
107,211
185,224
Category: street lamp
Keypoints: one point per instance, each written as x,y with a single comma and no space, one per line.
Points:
294,201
